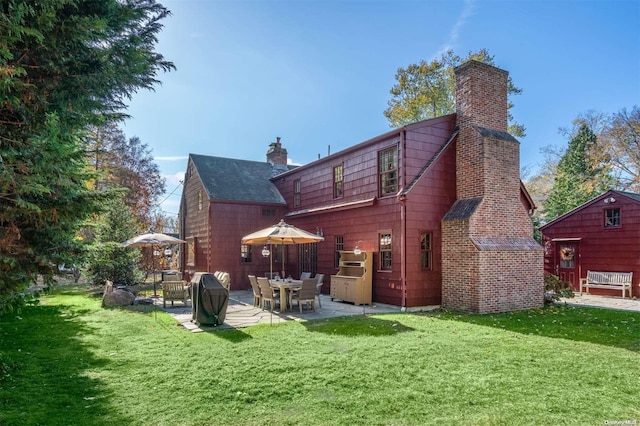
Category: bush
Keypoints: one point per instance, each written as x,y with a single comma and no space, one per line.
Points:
14,302
555,288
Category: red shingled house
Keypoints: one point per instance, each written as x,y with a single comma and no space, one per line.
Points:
439,204
603,234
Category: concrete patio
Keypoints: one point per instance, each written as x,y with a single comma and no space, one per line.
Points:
241,312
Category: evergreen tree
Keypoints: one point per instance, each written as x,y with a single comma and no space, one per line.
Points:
64,65
578,178
108,259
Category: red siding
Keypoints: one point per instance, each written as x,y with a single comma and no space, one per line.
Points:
229,223
426,203
194,216
601,249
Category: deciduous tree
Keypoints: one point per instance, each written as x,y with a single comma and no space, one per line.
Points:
128,164
620,145
427,90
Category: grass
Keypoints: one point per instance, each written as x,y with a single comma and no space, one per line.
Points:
68,361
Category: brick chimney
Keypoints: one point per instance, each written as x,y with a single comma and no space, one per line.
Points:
490,261
276,155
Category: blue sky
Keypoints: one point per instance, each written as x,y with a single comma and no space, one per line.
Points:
318,73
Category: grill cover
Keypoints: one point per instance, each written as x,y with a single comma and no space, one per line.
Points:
209,299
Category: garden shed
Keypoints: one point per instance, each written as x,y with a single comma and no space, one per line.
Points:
602,234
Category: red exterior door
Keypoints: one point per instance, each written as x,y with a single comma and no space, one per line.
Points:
568,262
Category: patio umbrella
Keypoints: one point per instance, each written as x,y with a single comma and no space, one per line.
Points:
152,239
282,234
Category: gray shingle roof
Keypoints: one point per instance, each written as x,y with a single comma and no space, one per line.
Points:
505,243
631,195
462,209
228,179
495,134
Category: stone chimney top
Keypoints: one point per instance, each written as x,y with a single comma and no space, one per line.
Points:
276,155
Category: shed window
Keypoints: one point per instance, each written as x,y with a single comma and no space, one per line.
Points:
245,253
296,193
425,250
611,218
388,169
268,212
337,181
385,251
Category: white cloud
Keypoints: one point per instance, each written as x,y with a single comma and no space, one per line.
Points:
454,34
290,162
174,179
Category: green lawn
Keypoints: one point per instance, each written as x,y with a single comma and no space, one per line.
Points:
68,361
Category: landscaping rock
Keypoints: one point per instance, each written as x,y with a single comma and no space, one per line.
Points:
118,298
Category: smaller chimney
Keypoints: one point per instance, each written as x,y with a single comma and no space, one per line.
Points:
276,155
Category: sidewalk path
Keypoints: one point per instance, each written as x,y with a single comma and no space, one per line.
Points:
606,302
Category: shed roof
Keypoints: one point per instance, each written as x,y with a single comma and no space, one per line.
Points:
229,179
632,195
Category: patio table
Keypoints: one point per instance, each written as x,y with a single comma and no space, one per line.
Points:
285,287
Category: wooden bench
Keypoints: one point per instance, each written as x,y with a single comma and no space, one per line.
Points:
608,280
174,290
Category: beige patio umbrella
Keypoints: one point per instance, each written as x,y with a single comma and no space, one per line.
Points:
152,239
282,234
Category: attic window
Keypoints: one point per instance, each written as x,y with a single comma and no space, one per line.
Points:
611,218
199,200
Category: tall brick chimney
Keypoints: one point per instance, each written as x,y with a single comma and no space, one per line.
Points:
276,155
490,261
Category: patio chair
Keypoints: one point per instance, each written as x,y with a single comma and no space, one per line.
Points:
305,294
225,280
174,290
320,282
267,294
171,277
305,275
256,290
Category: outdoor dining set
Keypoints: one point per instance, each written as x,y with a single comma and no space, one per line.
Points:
285,293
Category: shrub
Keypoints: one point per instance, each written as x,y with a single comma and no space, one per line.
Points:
555,288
